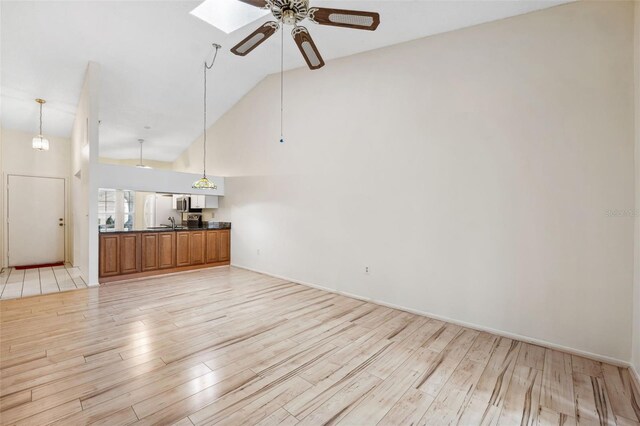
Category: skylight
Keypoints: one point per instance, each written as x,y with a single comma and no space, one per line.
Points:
228,15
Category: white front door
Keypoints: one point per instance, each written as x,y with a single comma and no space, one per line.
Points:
36,220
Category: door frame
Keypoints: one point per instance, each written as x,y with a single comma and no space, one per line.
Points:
5,224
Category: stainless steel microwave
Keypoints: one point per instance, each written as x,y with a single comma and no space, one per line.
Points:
183,205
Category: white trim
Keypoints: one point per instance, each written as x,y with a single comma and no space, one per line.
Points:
502,333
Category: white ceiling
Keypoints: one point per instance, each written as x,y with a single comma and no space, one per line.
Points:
151,55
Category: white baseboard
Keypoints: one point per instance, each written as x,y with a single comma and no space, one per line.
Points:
473,326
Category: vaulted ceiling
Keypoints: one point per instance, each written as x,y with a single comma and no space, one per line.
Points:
151,55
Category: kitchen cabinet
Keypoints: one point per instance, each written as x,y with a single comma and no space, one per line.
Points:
211,201
204,201
196,247
149,251
182,249
225,245
109,255
197,201
129,253
126,255
213,243
218,246
166,250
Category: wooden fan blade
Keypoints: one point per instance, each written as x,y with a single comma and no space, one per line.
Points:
344,18
307,47
254,39
256,3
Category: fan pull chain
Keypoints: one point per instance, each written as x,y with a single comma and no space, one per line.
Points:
282,85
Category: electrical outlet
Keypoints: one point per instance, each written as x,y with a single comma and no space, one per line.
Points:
258,251
366,270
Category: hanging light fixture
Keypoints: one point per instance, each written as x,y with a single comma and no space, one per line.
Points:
39,142
204,182
141,164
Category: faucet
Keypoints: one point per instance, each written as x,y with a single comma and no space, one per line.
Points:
173,222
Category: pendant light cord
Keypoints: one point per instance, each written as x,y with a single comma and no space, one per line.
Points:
141,153
40,120
282,85
204,126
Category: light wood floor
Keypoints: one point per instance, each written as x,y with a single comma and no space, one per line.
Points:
15,284
234,347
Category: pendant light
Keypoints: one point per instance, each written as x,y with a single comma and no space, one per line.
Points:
141,164
39,142
204,182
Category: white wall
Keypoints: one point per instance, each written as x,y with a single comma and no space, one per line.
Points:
133,162
84,142
154,180
17,157
471,171
636,298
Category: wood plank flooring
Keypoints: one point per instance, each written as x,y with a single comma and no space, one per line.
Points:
232,347
15,284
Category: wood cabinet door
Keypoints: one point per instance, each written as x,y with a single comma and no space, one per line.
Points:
212,246
224,245
149,251
129,253
182,249
196,247
109,255
166,250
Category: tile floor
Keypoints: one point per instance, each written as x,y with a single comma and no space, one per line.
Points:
15,284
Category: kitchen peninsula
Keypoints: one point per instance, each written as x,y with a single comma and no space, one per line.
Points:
126,254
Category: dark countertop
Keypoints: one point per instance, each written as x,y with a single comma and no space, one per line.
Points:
219,225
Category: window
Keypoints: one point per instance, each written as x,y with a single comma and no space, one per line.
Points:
116,209
129,213
107,208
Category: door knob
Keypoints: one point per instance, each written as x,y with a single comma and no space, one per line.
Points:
61,224
60,219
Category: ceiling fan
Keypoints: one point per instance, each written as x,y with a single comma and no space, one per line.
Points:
291,12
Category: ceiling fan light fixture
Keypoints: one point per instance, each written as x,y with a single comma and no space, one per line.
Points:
291,12
39,142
